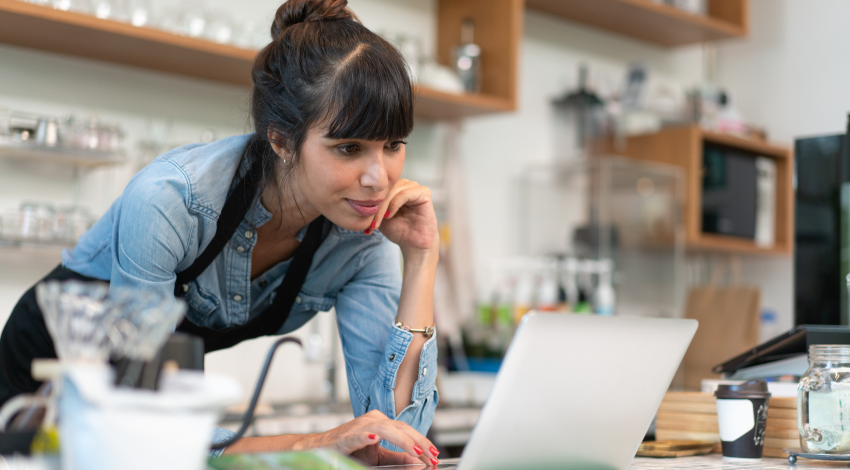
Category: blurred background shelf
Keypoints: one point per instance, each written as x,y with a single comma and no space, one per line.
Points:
684,146
437,105
653,21
79,157
66,32
498,24
48,246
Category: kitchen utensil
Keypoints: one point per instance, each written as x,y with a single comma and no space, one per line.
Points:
36,221
143,322
104,427
79,318
47,132
70,223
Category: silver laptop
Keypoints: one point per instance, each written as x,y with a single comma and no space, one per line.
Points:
576,392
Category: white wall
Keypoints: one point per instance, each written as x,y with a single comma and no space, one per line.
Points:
792,77
763,71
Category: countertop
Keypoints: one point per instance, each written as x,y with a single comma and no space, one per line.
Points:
708,462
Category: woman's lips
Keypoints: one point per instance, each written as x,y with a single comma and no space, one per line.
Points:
365,208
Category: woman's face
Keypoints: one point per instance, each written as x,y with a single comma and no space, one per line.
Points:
346,180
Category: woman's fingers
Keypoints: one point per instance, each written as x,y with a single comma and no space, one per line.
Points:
404,193
415,444
383,209
357,440
388,457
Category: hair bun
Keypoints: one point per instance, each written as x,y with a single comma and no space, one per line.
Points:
300,11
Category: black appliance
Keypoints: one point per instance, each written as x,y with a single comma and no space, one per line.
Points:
789,344
729,191
821,256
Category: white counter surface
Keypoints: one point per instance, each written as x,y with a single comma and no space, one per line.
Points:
708,462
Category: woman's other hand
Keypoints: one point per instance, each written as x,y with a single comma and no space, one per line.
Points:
361,439
407,218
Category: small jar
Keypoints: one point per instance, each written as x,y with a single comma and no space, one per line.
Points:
823,400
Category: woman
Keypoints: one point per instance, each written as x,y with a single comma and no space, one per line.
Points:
259,232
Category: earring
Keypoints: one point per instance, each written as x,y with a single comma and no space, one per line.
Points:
284,160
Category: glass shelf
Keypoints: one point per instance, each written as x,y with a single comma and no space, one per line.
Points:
62,155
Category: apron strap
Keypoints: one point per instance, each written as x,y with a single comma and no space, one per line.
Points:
232,214
272,318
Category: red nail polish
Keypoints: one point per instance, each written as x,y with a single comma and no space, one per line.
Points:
372,436
435,462
434,451
417,449
387,215
366,231
373,224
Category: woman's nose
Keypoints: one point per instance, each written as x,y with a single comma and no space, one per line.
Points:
375,174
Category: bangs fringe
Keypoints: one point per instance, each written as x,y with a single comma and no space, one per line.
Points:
371,99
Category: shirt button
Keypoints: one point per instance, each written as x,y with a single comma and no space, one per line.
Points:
263,283
392,357
240,249
237,298
185,287
249,234
298,300
424,371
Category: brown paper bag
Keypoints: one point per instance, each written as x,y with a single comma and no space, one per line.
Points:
728,325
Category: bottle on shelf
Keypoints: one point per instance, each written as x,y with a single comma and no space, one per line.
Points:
467,58
605,299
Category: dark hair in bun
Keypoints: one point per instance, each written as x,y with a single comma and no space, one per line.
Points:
323,66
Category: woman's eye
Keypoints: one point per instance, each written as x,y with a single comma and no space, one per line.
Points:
396,146
347,149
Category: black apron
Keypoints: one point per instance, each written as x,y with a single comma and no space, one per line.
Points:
25,335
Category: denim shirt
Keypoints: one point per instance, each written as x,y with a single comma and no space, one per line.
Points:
167,216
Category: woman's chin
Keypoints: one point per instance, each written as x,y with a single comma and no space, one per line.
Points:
357,224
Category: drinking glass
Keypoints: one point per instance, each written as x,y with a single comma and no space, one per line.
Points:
81,6
218,28
192,19
139,12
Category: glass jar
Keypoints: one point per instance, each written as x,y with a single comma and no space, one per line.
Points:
823,400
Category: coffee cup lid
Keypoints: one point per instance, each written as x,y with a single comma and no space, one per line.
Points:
751,389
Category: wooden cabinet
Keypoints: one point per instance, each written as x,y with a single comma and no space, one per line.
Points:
653,21
498,30
683,147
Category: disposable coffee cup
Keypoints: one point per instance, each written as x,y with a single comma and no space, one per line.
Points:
742,417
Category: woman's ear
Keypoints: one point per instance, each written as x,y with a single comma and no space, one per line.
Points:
278,144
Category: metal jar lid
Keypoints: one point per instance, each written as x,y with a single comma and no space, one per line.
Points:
751,389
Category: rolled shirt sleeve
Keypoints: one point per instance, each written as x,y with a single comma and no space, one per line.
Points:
374,348
152,235
220,435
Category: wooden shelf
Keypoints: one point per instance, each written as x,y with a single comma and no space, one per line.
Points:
437,105
43,28
654,22
683,146
38,27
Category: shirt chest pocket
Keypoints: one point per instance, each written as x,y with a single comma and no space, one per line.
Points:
305,307
202,307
